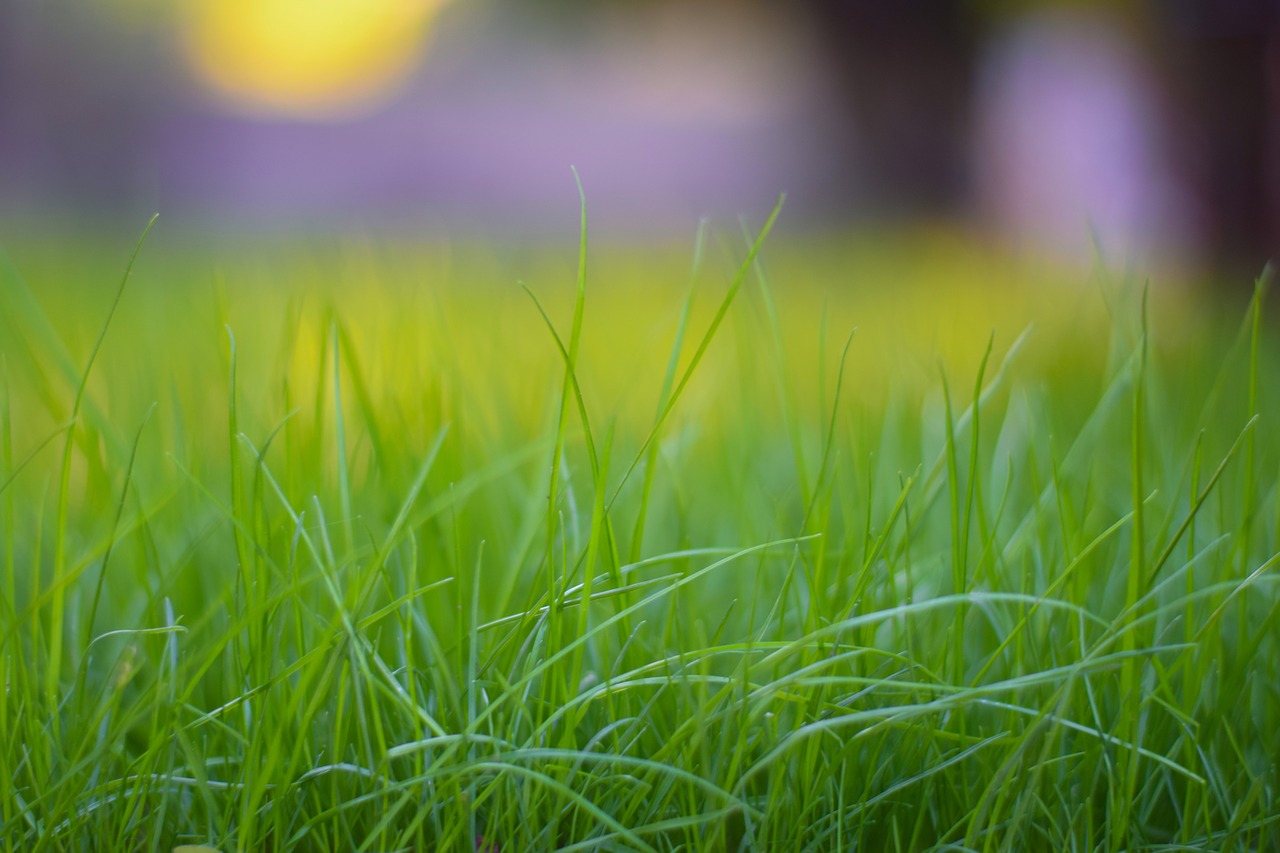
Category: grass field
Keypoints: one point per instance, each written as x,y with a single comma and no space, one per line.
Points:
341,547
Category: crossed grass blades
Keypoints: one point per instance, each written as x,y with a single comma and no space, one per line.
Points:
366,560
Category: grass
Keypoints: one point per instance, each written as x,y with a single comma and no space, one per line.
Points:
361,548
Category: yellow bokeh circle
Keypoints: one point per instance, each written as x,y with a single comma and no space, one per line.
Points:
306,57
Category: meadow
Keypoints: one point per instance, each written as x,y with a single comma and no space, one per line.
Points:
748,543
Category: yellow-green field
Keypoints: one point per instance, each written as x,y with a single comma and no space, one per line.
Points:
343,548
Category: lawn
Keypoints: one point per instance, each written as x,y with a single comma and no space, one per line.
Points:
878,542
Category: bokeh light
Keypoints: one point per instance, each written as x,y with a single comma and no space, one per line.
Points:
307,57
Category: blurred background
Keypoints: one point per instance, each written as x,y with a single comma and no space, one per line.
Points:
1150,130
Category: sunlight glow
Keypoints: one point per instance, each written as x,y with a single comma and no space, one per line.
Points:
312,58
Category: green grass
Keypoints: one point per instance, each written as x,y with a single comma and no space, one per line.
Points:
358,547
